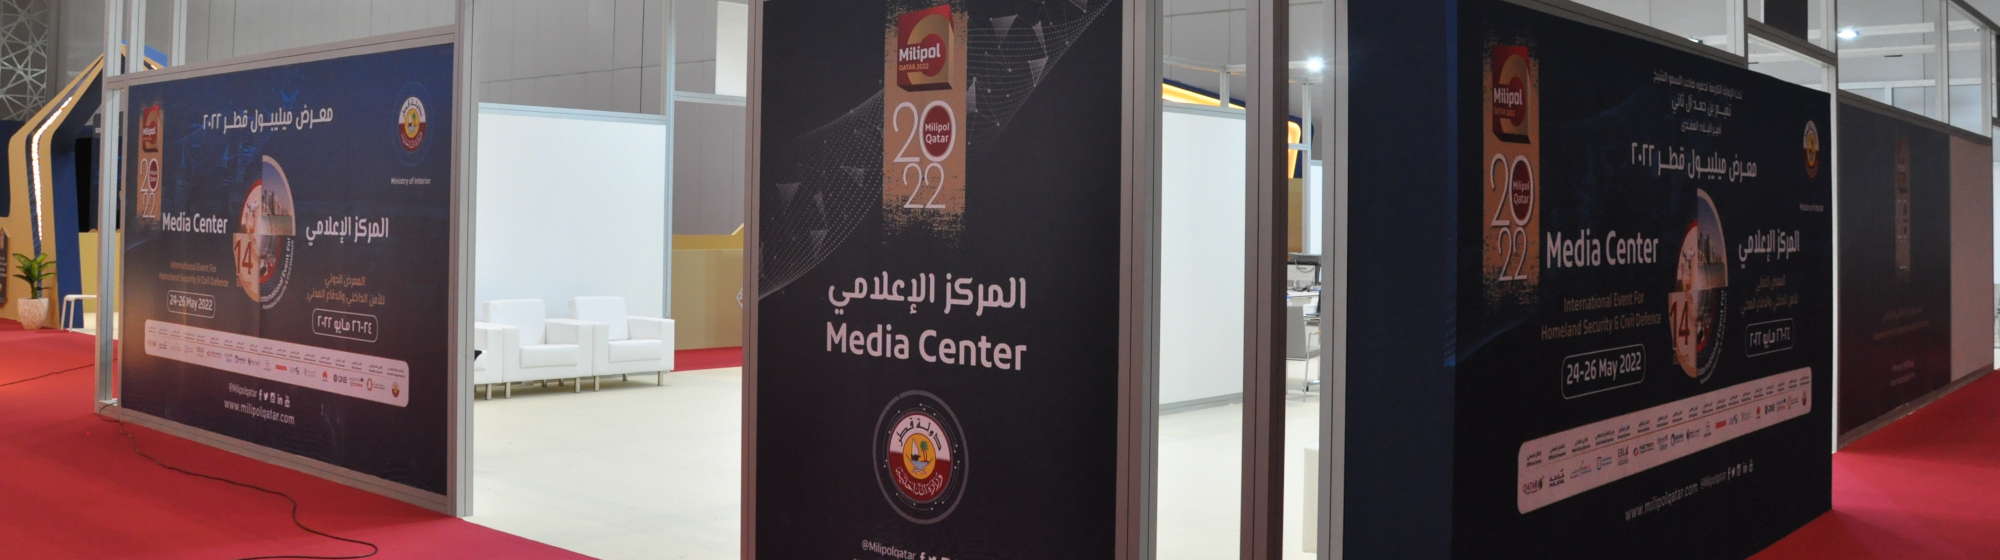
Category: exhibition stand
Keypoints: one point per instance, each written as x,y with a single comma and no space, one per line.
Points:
954,317
1916,238
295,281
1597,303
1587,288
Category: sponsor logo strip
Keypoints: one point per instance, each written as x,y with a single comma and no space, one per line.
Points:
342,373
1555,467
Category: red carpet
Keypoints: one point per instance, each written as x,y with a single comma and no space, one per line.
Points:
72,488
708,358
1923,487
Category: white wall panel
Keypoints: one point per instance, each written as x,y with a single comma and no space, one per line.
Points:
1971,257
649,90
626,26
570,207
626,90
1201,256
650,35
574,54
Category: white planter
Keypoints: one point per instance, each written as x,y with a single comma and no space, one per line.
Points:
34,313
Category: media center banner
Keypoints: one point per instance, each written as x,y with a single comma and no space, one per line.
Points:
1643,353
937,329
287,247
1895,266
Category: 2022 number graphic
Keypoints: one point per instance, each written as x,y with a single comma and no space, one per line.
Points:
1516,185
933,131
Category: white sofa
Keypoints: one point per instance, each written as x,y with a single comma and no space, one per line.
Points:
625,344
533,347
486,341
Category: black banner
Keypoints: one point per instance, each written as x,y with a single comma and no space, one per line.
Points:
287,258
937,329
1645,353
1895,263
1637,328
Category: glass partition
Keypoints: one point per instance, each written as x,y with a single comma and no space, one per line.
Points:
1709,22
1307,270
1889,52
1969,43
1785,64
1814,19
712,46
1203,239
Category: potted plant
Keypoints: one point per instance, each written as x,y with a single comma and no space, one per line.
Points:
33,311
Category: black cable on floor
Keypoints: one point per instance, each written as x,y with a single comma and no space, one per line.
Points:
134,443
45,375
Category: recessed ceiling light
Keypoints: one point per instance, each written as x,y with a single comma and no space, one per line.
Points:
1315,64
1847,34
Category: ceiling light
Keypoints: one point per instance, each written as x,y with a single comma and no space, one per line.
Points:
1847,34
1315,64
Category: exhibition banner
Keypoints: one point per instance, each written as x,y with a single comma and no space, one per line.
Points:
287,258
937,328
1643,350
1895,265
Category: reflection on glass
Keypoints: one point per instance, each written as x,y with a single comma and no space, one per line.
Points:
1304,279
1702,21
1202,241
712,47
1968,44
1782,63
1889,51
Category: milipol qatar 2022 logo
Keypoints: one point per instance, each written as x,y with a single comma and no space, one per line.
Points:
920,457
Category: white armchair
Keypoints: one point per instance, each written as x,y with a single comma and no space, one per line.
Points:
534,347
627,344
488,366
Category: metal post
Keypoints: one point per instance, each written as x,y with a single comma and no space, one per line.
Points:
1138,274
1831,138
135,57
1266,109
1738,36
1333,303
109,155
1985,126
179,56
465,118
1306,122
753,236
669,67
1222,87
1941,88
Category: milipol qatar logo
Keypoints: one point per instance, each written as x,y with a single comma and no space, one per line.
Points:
923,57
920,457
